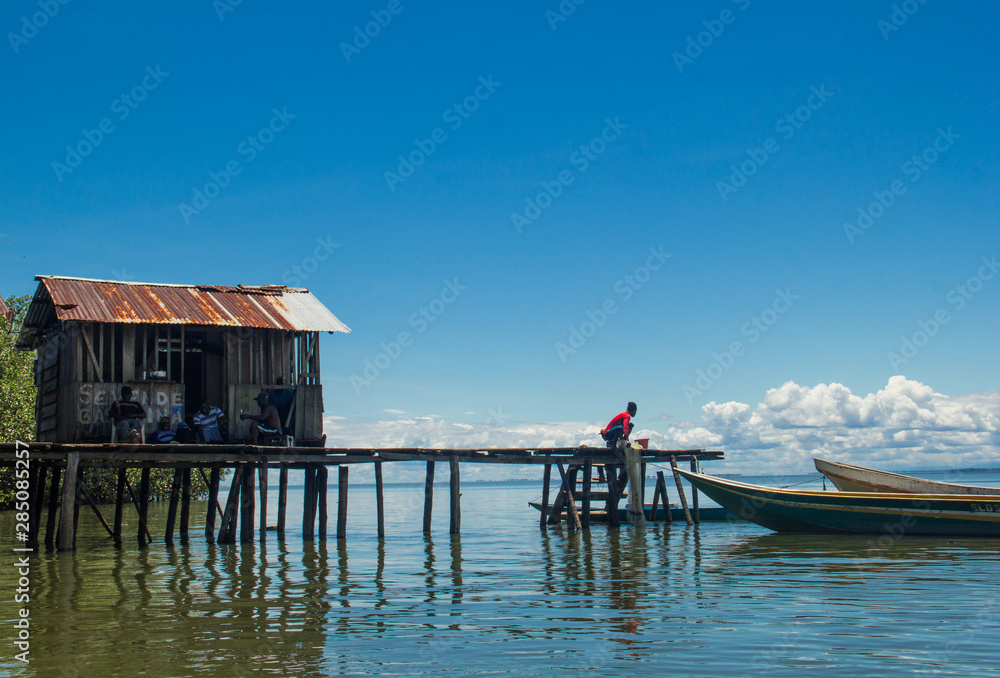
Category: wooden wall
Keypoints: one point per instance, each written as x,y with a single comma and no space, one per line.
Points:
82,366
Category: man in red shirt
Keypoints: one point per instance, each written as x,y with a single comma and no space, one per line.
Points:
619,427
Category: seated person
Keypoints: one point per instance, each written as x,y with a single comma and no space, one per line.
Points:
266,423
282,399
163,434
127,416
211,424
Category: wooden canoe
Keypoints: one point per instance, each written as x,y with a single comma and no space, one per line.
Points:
850,478
894,515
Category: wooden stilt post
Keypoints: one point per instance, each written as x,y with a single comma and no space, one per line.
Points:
588,471
36,491
694,495
614,520
656,501
247,503
428,495
119,507
262,482
227,530
379,501
67,537
680,491
546,479
574,518
143,507
455,486
342,477
282,499
665,496
175,495
185,504
309,504
213,499
50,527
636,479
322,486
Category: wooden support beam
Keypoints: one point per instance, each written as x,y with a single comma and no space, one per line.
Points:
93,505
322,485
67,536
379,501
656,501
455,485
143,506
247,504
669,516
135,503
567,485
227,530
342,476
282,499
119,507
546,479
50,528
309,504
262,482
36,495
611,505
694,496
588,471
213,499
680,491
185,504
428,496
636,479
175,495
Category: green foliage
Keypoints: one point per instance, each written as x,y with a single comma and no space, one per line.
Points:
17,391
17,384
17,421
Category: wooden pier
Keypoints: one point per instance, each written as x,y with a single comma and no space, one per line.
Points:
58,467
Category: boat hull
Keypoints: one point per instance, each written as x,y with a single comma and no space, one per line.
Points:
848,478
854,512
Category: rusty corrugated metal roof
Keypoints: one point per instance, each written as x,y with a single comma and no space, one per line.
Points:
109,301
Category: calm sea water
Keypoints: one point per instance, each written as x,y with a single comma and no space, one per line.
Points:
719,599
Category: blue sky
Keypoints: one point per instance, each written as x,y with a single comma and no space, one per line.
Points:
583,144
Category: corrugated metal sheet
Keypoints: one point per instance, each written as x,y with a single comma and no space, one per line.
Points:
107,301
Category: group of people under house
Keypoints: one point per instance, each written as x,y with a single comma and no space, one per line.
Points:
209,424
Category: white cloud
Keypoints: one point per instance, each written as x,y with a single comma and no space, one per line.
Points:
904,425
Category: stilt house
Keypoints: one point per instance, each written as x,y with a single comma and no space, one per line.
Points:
175,345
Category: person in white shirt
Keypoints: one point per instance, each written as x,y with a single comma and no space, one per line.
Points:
211,424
